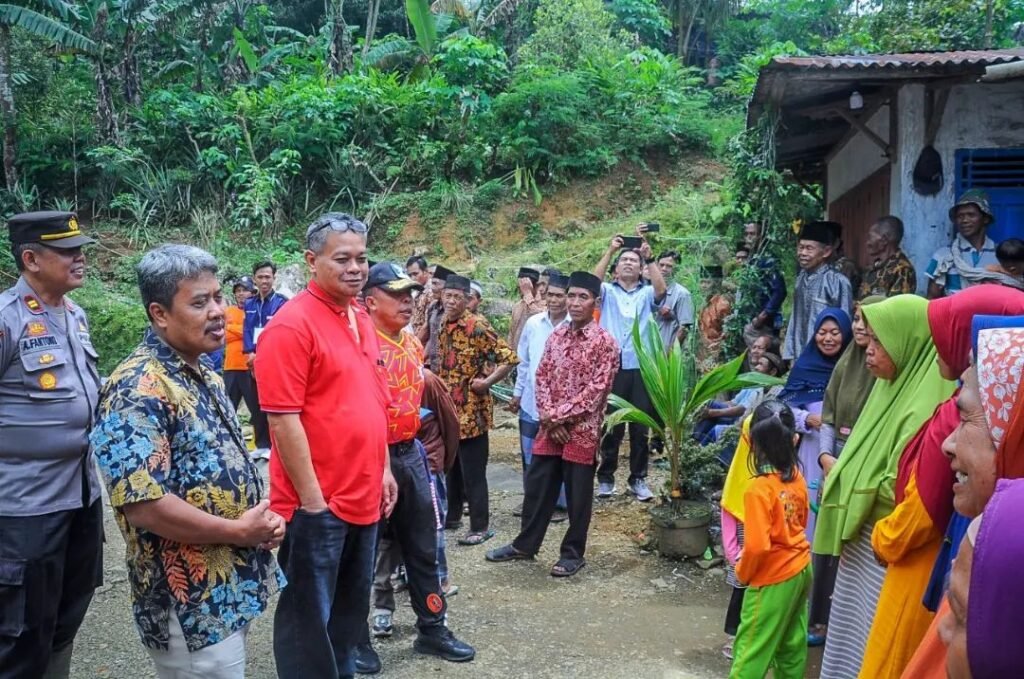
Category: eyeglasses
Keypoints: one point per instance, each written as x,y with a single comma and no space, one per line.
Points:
340,223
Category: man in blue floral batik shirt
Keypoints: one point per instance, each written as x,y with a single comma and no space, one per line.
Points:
187,498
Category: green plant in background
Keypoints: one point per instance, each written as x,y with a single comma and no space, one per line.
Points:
677,394
645,18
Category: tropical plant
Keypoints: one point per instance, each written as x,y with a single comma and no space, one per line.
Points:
46,19
677,394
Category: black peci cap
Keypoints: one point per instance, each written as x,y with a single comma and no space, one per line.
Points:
55,229
532,274
389,277
457,282
587,281
441,273
826,233
557,280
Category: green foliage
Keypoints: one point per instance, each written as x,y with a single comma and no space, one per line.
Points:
116,322
645,18
468,61
570,33
677,393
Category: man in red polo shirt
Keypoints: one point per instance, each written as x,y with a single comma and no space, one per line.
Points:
322,386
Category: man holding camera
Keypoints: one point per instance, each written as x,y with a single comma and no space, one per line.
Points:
625,302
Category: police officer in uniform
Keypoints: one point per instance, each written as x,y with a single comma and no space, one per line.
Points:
51,522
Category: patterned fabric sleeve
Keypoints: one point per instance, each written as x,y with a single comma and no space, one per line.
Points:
542,394
906,278
130,442
604,360
495,349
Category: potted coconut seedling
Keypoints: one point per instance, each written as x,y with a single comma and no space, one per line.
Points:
678,394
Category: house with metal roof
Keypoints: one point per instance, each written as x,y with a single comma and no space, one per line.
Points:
901,134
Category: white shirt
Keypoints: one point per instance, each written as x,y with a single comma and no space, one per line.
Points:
535,335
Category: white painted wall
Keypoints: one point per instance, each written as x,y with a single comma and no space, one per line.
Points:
977,116
859,159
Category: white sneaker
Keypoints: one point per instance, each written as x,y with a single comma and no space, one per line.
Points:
640,490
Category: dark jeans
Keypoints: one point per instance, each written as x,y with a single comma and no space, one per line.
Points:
629,385
704,430
412,534
322,612
470,483
49,567
544,479
241,385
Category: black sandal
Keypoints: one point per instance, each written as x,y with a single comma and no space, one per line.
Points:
476,538
566,568
507,553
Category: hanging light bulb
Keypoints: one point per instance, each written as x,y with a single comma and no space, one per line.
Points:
856,101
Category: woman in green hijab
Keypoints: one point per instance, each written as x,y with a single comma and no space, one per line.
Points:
847,392
859,489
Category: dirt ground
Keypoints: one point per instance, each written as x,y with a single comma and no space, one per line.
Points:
628,614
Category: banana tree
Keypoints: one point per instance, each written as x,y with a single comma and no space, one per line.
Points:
47,19
677,394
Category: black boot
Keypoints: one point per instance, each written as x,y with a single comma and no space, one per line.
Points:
444,645
367,660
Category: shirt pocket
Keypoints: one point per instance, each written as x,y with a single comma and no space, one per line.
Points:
12,597
46,375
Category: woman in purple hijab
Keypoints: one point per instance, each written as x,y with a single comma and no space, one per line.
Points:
986,591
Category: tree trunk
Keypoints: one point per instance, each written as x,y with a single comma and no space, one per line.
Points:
131,83
7,109
684,44
371,25
990,11
339,57
106,116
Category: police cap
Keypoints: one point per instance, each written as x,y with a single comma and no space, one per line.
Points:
54,229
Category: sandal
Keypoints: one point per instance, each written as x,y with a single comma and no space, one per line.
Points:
566,568
474,539
507,553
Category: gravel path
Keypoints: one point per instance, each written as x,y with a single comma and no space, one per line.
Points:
628,614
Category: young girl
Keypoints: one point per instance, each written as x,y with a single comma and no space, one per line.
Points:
776,559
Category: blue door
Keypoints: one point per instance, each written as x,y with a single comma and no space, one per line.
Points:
1000,174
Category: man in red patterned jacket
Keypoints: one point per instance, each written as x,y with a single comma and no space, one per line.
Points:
574,379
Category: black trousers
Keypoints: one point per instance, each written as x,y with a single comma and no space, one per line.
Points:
413,526
241,385
544,479
49,567
468,481
629,385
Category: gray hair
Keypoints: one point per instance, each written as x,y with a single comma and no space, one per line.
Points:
318,232
161,269
891,228
20,249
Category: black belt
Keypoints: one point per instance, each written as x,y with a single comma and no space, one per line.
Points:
402,447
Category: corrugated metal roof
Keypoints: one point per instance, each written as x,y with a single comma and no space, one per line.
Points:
899,61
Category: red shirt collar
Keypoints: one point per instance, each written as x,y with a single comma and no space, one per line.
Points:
321,295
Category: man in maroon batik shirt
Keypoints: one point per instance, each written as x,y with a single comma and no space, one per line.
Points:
574,379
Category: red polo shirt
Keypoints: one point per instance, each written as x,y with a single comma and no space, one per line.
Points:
311,363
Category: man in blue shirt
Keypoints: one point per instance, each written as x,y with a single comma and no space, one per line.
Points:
258,312
771,293
624,302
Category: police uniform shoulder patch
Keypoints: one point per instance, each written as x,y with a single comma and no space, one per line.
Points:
33,304
47,381
7,297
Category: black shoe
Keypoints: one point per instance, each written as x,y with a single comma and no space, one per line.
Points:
444,645
367,660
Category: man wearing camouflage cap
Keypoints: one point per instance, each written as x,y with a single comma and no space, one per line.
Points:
51,523
965,261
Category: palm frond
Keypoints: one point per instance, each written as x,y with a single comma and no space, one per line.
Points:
501,11
456,8
389,54
627,412
44,27
175,69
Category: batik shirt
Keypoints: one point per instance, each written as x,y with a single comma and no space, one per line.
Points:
419,310
464,347
893,276
164,428
574,379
